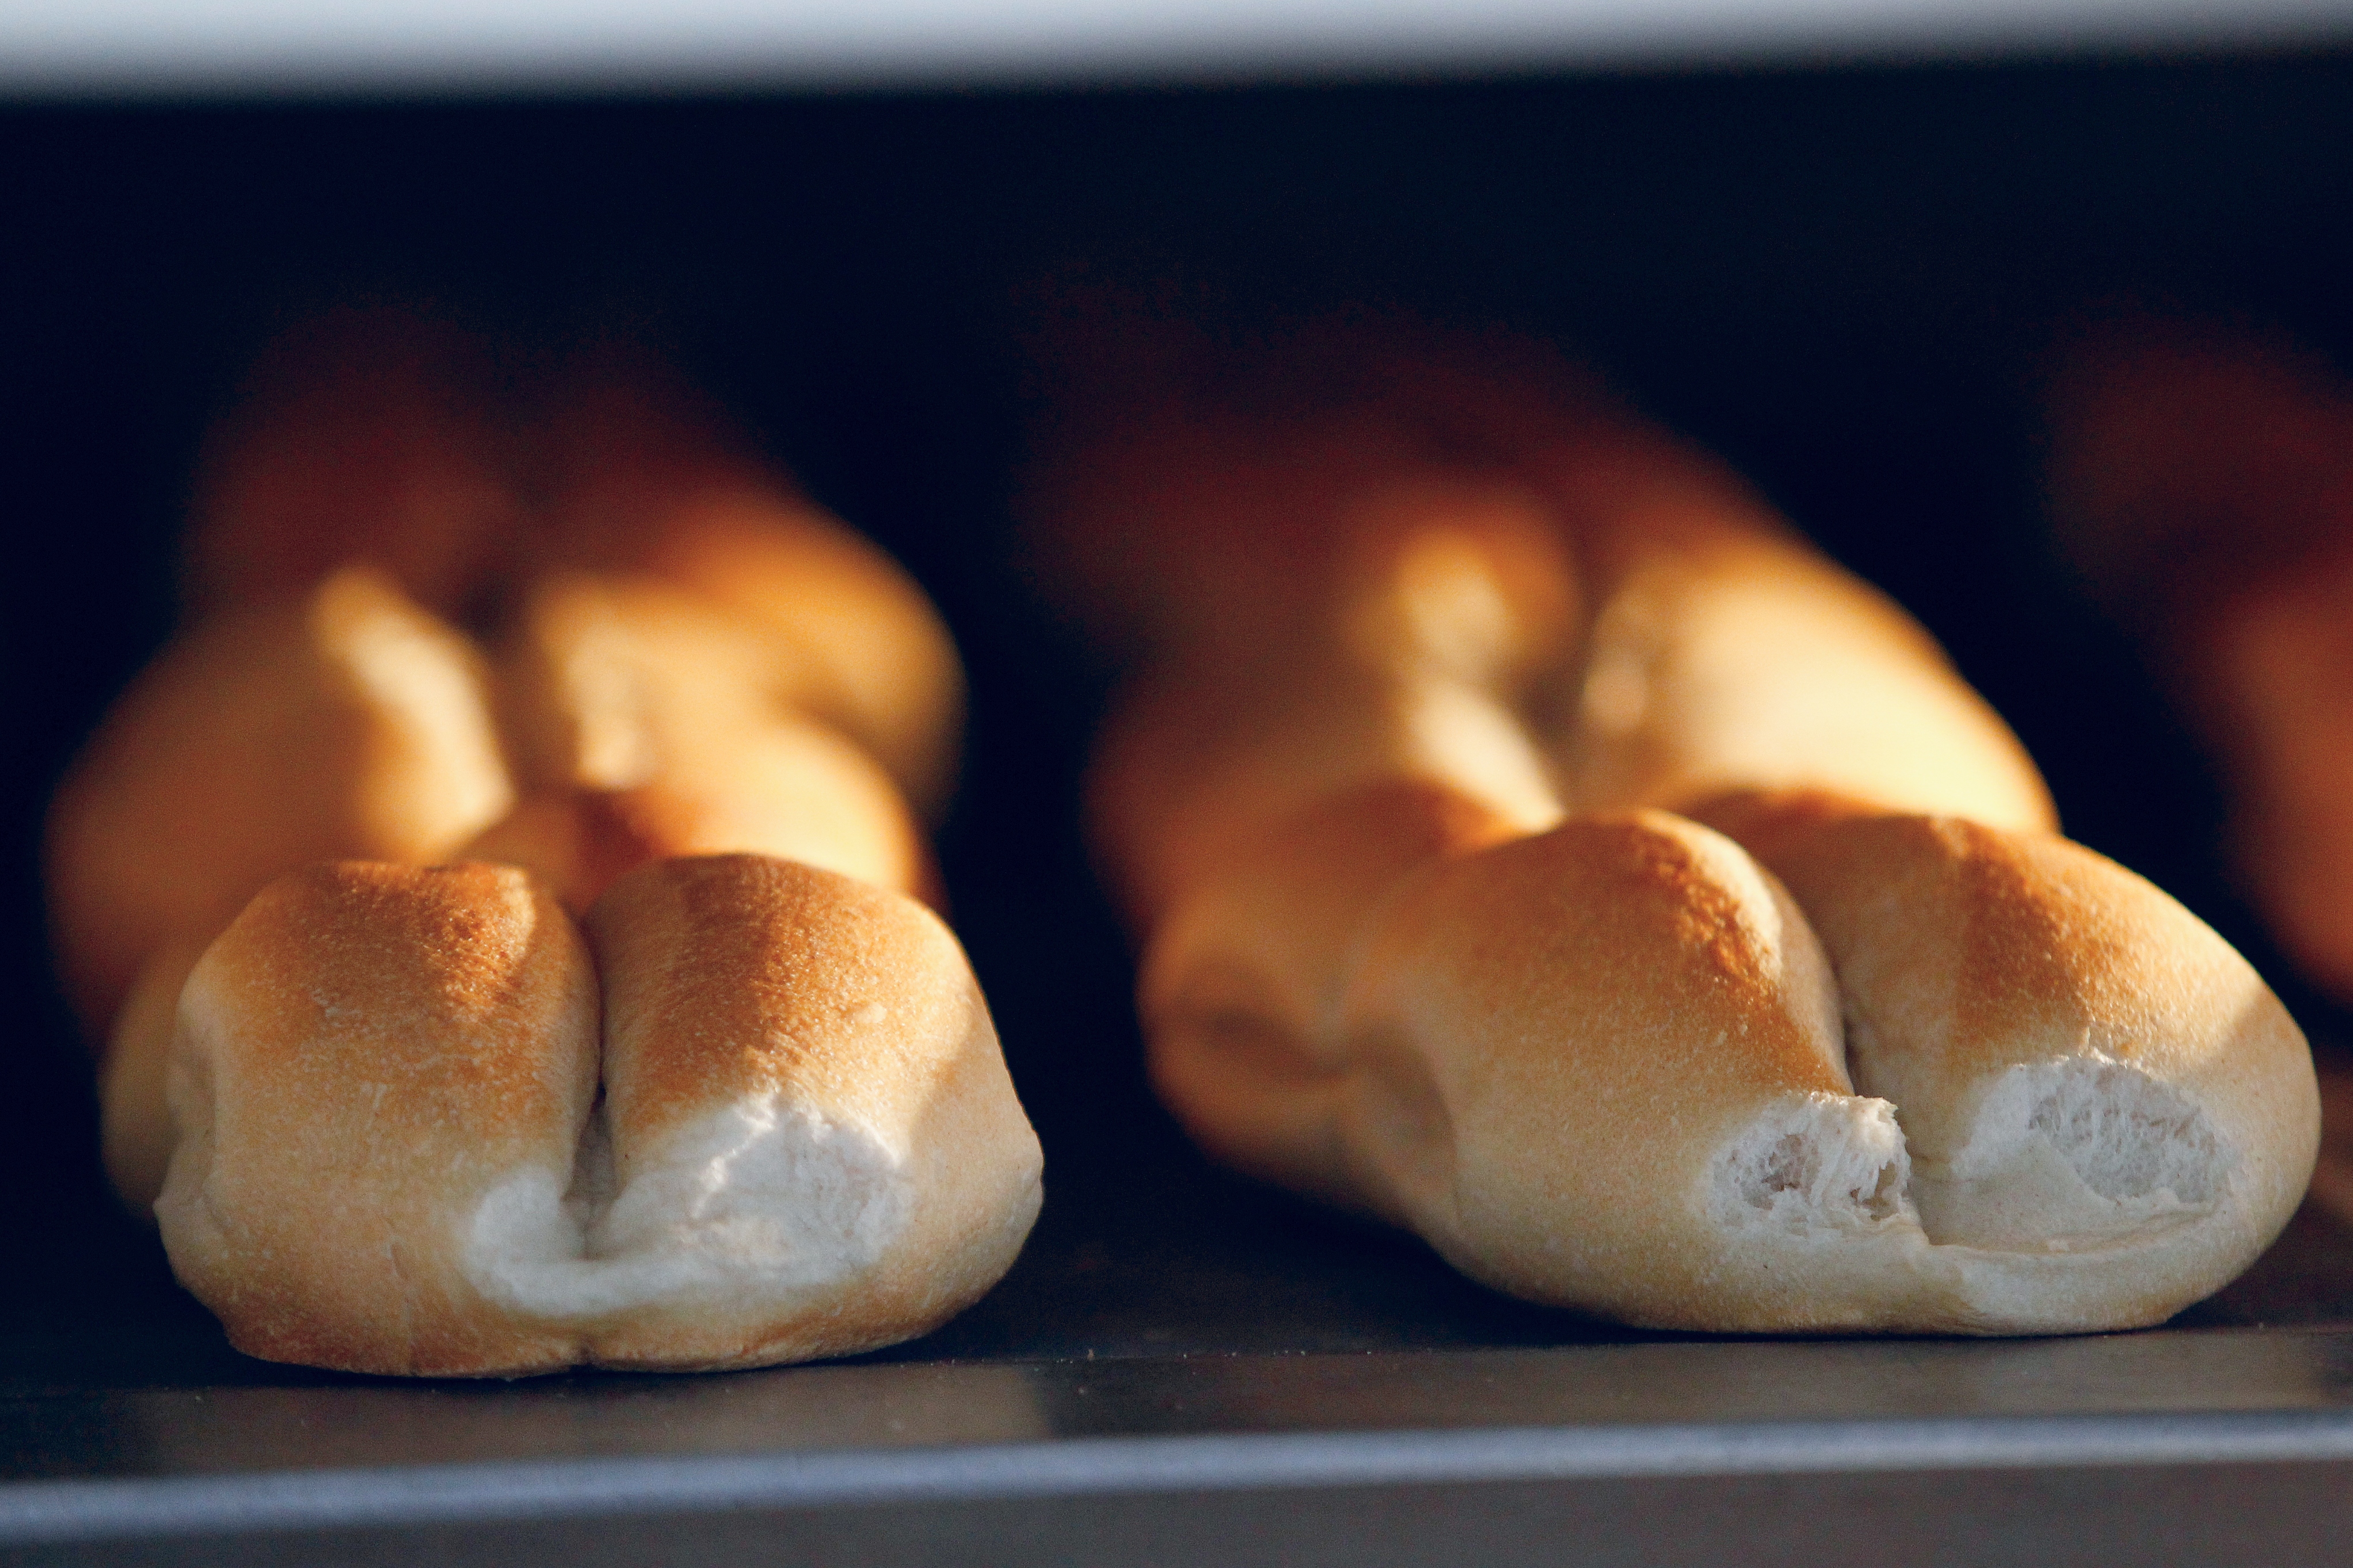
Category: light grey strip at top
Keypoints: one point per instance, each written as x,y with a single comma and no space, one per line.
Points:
136,47
51,1511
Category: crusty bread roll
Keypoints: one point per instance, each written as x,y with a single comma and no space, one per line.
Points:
387,1129
393,1156
639,481
1390,804
348,722
645,722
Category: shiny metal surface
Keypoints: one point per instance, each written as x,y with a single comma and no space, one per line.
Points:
2229,1441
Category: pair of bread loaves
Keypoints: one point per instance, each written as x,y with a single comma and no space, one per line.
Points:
1532,843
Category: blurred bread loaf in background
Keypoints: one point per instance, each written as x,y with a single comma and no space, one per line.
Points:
2201,484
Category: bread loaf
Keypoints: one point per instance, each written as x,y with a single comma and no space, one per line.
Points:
1407,803
401,1116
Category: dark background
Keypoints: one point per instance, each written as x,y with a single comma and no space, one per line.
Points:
1848,282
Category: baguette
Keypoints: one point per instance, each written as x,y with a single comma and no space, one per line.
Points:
1534,845
555,989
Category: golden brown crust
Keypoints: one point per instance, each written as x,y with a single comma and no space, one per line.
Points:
1588,907
795,793
347,724
1965,952
1243,983
395,1155
642,484
361,1057
874,658
647,723
1585,1019
1746,663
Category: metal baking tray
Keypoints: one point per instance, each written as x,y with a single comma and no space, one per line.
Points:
1184,1367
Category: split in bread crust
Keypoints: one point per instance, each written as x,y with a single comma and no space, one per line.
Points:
1411,803
758,1115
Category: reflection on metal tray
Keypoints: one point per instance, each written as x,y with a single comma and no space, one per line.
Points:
1187,1367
